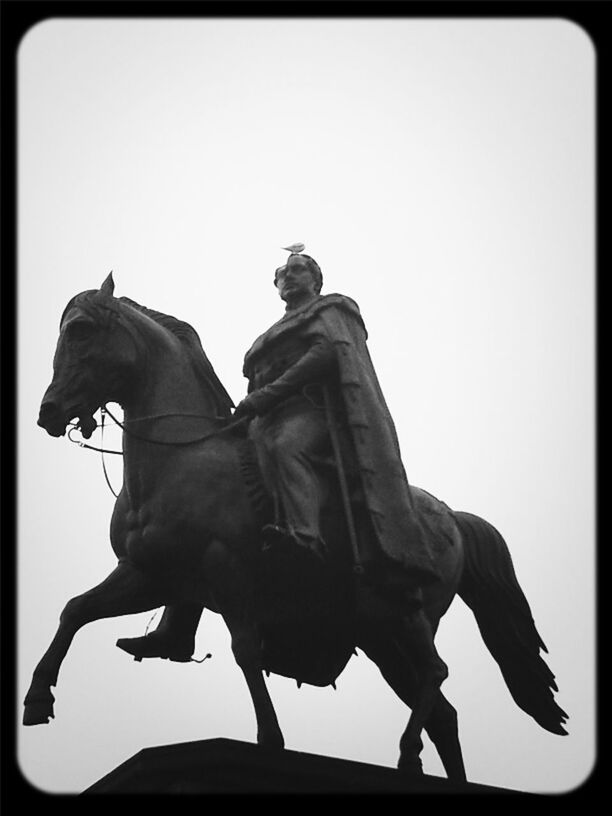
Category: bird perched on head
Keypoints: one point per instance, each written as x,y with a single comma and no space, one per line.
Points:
294,248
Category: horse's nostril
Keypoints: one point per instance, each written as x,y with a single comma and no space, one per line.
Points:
49,413
46,410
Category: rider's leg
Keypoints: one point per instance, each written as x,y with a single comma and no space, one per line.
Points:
294,438
285,438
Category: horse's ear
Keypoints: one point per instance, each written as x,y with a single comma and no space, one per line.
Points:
108,287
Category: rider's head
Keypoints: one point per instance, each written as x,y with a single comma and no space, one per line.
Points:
310,264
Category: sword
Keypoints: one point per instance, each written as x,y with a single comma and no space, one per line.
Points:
348,511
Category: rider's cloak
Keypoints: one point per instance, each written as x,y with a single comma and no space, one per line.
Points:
398,531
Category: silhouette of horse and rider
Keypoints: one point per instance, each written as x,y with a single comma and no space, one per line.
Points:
292,518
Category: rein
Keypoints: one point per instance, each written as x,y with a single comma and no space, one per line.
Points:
173,444
104,410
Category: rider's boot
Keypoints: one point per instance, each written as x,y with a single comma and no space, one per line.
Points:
174,638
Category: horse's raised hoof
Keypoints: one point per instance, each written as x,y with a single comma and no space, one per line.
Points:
153,645
38,713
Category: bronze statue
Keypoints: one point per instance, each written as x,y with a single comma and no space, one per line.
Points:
311,380
187,460
317,354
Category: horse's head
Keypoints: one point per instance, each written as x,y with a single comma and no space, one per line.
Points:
94,355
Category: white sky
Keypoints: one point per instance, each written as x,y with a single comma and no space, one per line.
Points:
442,174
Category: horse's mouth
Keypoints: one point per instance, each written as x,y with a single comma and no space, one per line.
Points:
87,425
53,429
55,424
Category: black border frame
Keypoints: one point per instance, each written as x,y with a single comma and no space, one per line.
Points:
17,17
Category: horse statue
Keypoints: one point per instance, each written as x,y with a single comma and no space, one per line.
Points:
186,463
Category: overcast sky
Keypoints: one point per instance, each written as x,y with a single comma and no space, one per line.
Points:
442,174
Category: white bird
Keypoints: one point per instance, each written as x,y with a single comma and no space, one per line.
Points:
295,248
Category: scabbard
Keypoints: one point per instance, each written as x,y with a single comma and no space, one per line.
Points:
346,501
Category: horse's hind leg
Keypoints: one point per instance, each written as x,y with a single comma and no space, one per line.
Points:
396,668
431,672
441,727
405,654
126,591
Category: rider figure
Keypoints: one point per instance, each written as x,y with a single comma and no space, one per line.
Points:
286,368
317,352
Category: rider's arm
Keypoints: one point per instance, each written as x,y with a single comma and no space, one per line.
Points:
316,364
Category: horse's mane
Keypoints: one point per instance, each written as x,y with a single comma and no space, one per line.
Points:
182,330
192,344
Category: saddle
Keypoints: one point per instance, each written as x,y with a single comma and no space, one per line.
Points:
308,613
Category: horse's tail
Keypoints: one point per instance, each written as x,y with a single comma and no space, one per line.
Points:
490,588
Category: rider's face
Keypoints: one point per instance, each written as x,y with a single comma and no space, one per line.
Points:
295,280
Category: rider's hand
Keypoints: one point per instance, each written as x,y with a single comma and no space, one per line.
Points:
255,403
243,409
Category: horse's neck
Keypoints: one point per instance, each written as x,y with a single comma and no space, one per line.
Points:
173,388
168,402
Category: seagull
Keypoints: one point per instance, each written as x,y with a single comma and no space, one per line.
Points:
295,248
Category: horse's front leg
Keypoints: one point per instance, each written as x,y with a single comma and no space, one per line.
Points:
126,591
247,652
233,592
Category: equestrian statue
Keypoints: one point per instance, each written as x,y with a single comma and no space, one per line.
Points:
292,517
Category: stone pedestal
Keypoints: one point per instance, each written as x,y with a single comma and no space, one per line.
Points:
228,766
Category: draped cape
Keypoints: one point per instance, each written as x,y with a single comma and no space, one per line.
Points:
397,530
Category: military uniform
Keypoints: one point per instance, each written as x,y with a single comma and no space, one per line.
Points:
324,342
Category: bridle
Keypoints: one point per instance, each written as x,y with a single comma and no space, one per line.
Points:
104,411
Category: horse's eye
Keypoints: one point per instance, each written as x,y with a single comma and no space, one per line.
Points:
80,330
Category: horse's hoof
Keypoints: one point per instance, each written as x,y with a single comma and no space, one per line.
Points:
38,713
410,767
271,743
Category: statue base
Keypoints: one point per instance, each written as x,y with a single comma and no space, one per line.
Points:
228,766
